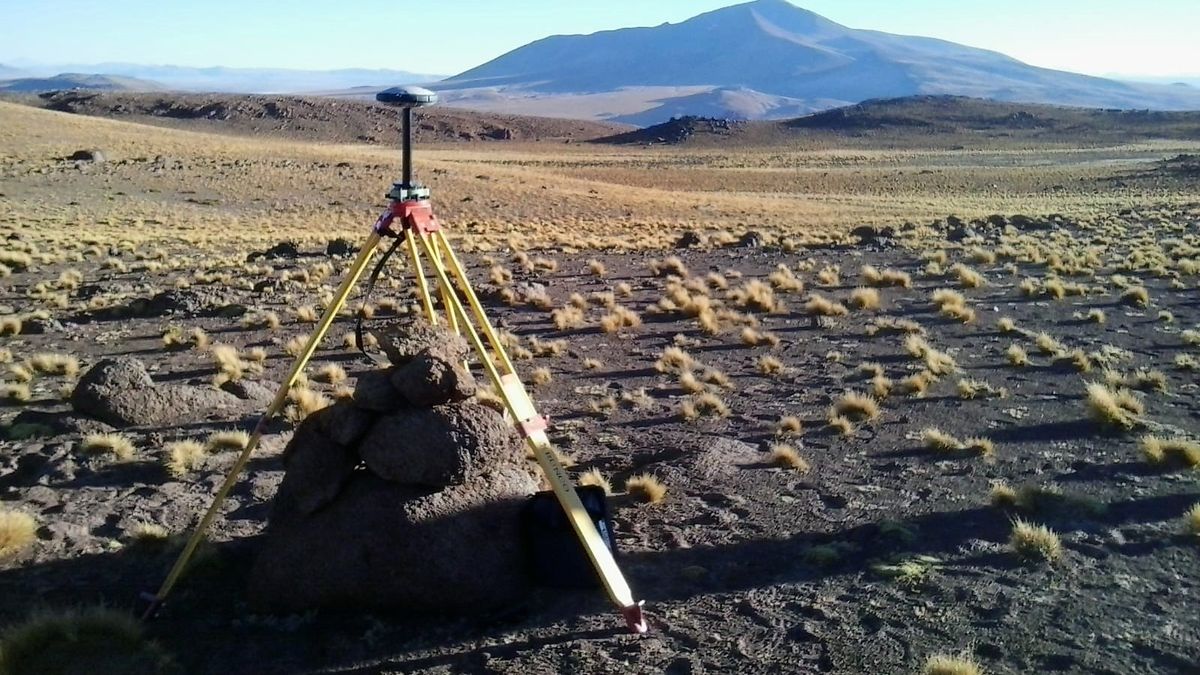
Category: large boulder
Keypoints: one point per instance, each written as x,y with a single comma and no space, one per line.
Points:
439,447
120,392
381,545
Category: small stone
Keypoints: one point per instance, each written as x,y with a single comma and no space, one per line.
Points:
429,380
374,392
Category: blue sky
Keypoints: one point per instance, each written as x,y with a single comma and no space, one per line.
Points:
1130,37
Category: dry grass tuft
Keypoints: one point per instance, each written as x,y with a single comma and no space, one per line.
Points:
227,440
945,664
819,305
769,365
1181,452
1017,356
183,457
787,457
674,360
939,441
1035,541
541,376
645,488
757,296
594,477
788,425
619,317
331,373
706,404
18,530
304,402
1191,521
95,639
596,268
116,445
48,363
1119,408
857,407
844,426
571,316
1137,296
865,298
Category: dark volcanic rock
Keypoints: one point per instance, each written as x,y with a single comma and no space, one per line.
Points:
374,392
285,250
751,240
404,342
383,545
120,392
343,422
92,155
688,240
440,446
317,467
431,380
341,247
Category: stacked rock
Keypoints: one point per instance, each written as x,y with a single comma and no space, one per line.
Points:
406,495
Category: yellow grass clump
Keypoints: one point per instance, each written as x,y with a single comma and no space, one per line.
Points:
1115,408
857,407
1035,541
48,363
945,664
183,457
232,439
645,488
594,477
117,445
18,530
1191,521
788,425
787,457
819,305
1161,451
865,298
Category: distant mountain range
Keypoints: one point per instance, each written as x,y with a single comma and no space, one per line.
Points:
78,81
770,59
221,79
766,59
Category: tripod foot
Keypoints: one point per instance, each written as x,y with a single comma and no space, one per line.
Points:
634,618
153,604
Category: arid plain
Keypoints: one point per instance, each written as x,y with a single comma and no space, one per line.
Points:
866,402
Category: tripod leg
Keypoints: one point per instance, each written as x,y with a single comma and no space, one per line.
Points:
520,406
331,312
422,284
468,292
450,317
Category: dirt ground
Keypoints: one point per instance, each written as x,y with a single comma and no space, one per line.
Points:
881,554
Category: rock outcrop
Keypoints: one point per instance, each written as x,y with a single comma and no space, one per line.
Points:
405,496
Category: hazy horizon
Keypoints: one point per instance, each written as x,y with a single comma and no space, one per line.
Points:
1107,38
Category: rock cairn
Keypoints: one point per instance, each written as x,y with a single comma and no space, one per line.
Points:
405,496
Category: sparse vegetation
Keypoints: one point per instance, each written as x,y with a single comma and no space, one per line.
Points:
645,488
119,446
18,531
1032,541
788,457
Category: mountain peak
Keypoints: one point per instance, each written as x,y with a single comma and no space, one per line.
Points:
793,58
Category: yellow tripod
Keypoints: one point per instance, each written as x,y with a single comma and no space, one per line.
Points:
410,209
